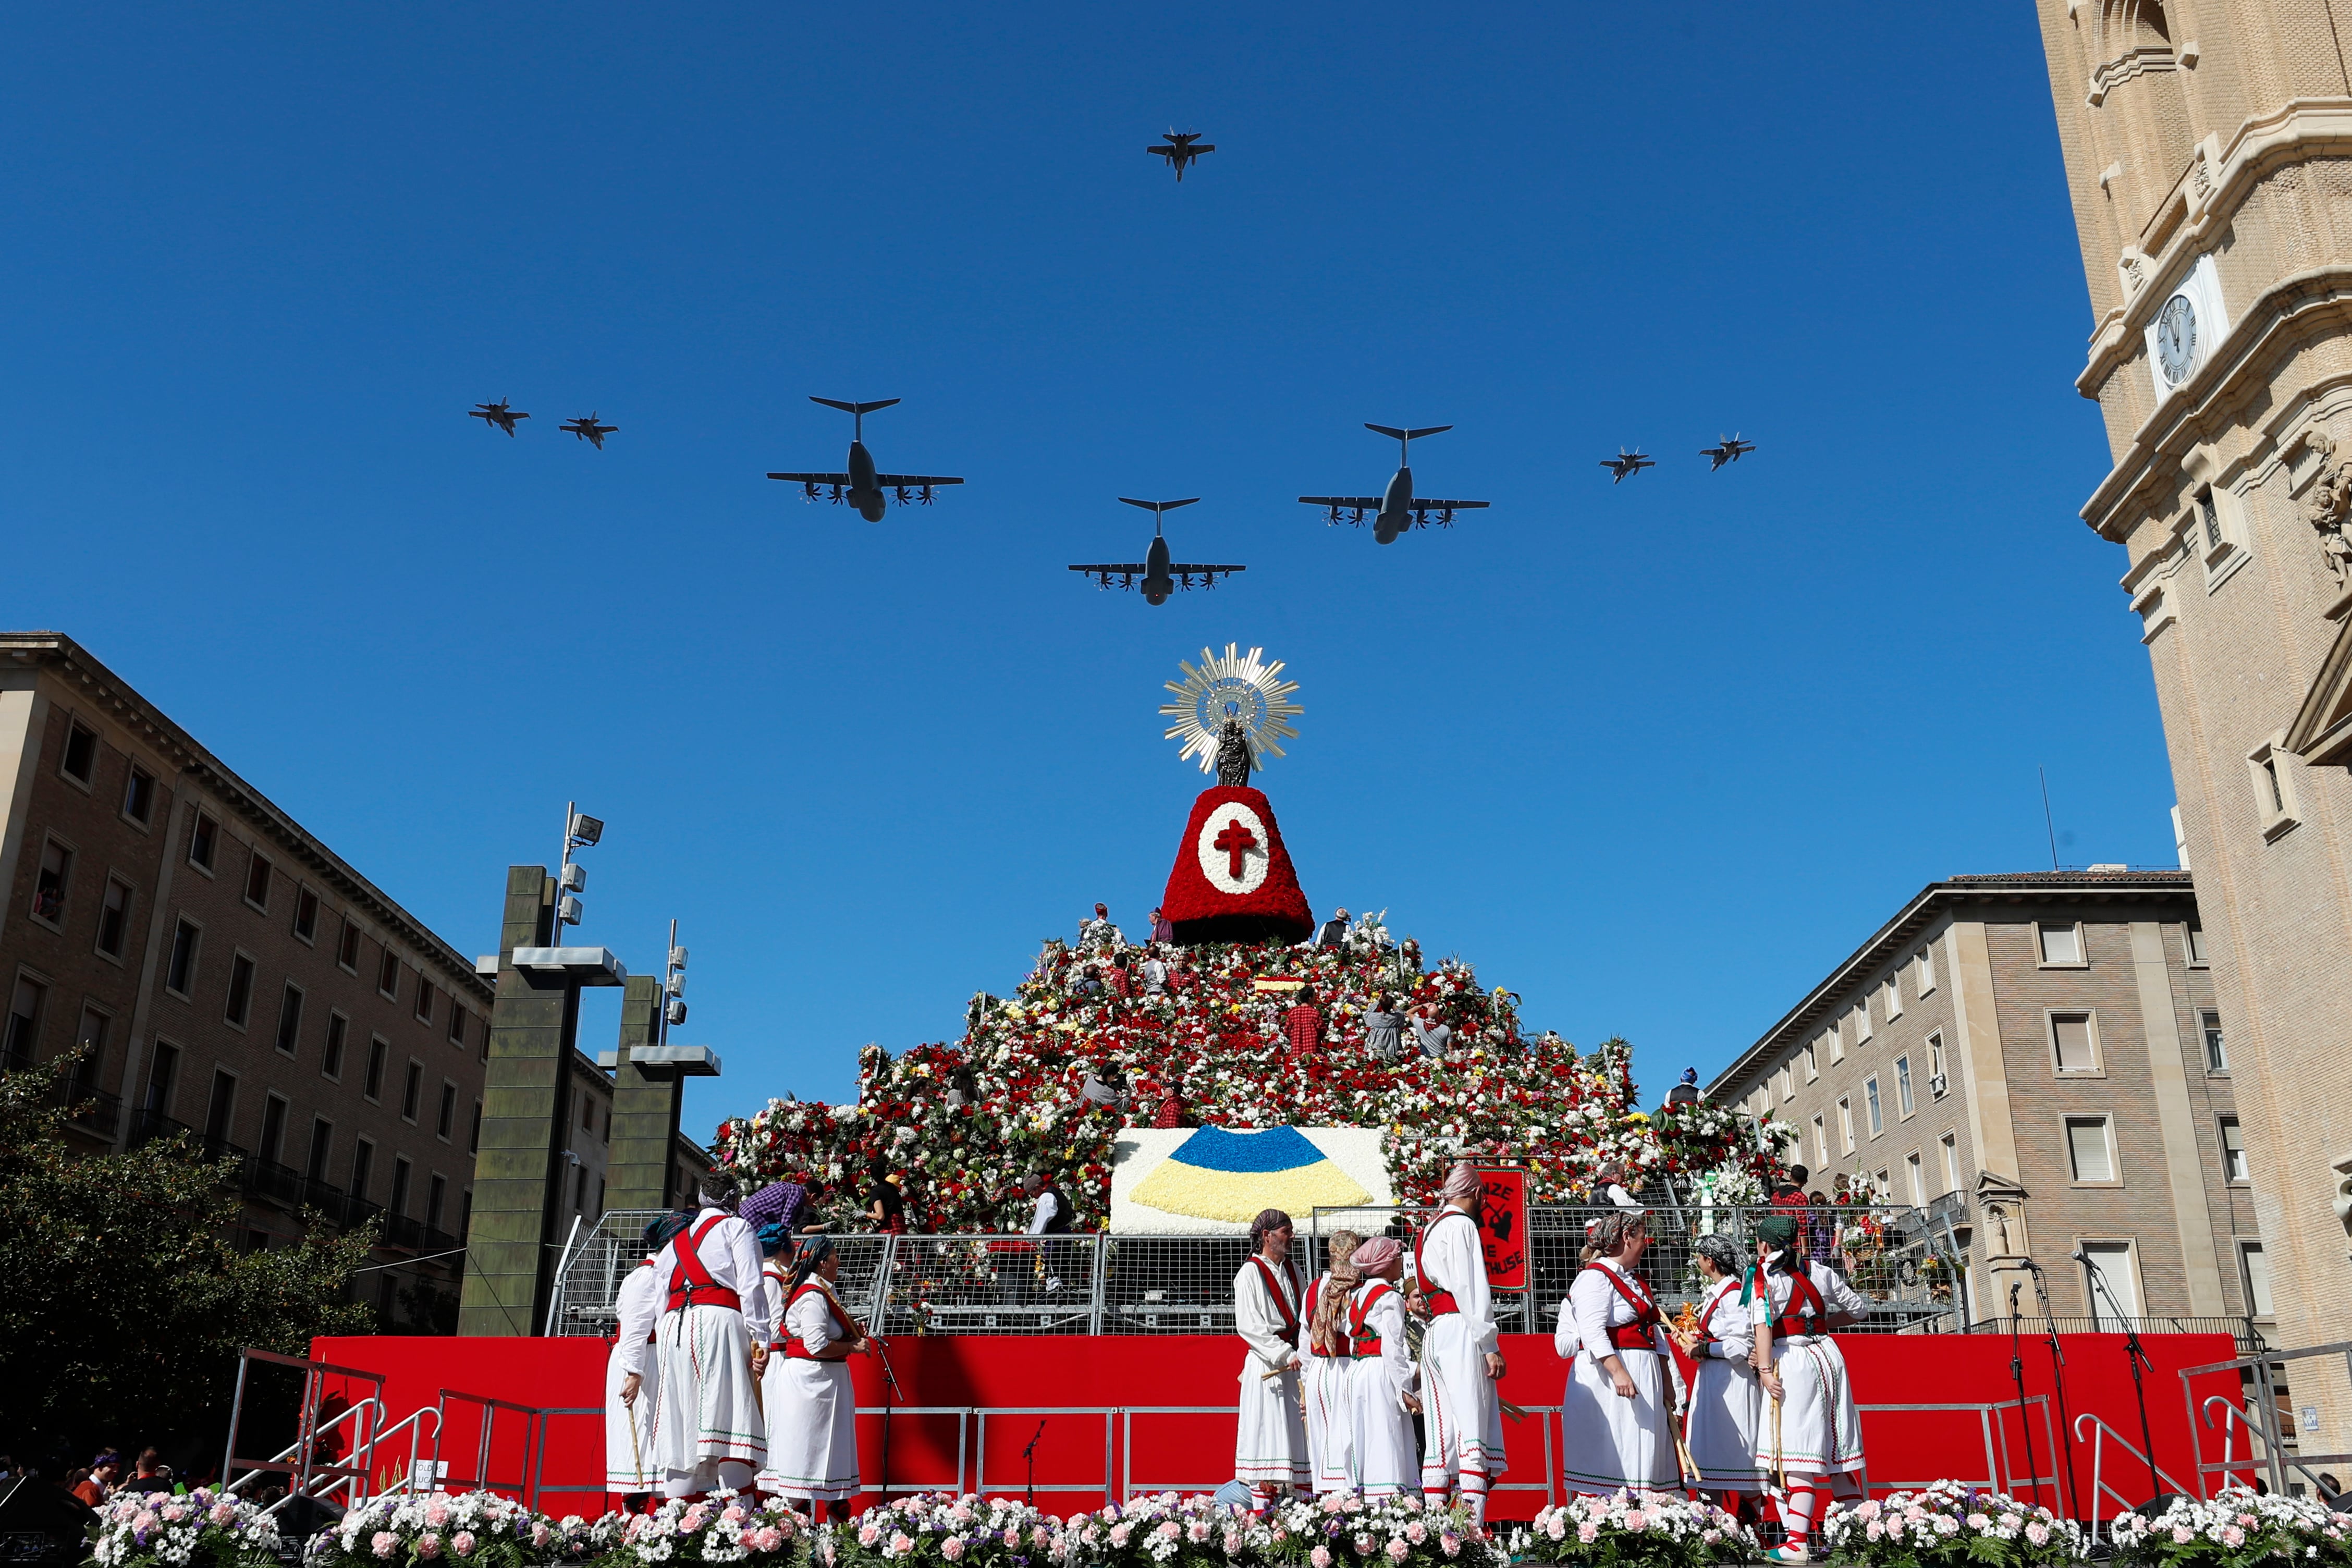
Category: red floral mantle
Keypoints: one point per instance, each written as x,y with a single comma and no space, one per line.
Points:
1233,880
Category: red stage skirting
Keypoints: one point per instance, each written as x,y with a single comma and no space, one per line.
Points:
1068,1382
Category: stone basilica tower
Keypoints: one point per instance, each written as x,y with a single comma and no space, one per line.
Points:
2209,154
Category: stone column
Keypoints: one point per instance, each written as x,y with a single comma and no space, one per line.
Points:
645,1106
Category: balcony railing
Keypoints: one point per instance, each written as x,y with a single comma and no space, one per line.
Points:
91,1111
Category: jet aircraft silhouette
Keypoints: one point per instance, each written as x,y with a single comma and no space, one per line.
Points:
1160,576
1625,463
497,414
870,492
1396,509
1725,451
588,430
1180,150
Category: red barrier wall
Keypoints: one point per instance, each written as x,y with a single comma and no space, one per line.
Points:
1066,1382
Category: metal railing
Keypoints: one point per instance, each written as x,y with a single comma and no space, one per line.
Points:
528,1484
2000,1468
300,1461
2248,1337
2261,1385
2099,1435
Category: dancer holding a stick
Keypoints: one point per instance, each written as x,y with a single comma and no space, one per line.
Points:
1816,1440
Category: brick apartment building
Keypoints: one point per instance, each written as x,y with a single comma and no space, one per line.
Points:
2039,1059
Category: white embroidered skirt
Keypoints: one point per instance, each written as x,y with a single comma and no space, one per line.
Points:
1270,1438
811,1429
709,1405
1608,1442
632,1461
1329,1421
1821,1433
1723,1416
1382,1458
1462,1412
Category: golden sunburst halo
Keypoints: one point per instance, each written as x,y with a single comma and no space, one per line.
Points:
1237,686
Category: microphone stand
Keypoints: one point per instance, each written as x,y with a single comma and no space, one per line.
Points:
893,1394
2017,1372
2058,1380
2138,1352
1030,1454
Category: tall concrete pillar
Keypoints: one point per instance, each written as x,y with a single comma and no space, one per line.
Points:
645,1108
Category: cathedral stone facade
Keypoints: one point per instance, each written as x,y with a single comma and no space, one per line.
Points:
2209,154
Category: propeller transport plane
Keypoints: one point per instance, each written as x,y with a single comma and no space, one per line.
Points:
588,430
1725,451
1180,150
870,492
1397,508
1625,463
497,414
1160,576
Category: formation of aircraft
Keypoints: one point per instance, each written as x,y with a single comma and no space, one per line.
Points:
588,430
498,414
1160,576
1182,150
869,491
1726,451
1395,508
1626,463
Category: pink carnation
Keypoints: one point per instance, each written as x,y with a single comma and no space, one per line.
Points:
383,1542
1557,1526
1398,1550
1450,1544
2233,1536
222,1513
1637,1519
1587,1532
1416,1532
428,1545
869,1535
731,1514
767,1538
1118,1533
1320,1557
1169,1530
146,1520
436,1513
2038,1533
901,1543
1198,1530
539,1534
952,1549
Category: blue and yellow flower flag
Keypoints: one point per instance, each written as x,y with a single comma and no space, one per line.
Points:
1219,1173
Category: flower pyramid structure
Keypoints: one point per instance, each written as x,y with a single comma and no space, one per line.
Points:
966,1121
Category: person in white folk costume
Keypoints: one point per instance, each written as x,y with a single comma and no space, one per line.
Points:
812,1408
1382,1400
1814,1440
1325,1362
1726,1405
712,1343
1461,1352
632,1374
1615,1419
1270,1439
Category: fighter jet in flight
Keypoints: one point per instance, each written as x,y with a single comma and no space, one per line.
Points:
1160,576
1725,451
497,414
1398,508
588,430
1180,150
1625,463
861,487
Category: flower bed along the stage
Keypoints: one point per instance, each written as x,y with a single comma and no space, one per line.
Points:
1341,1529
937,1529
1653,1532
2239,1529
1947,1524
723,1527
443,1530
199,1529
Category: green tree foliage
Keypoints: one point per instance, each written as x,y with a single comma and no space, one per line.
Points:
127,1297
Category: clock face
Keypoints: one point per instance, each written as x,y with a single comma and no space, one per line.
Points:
2175,339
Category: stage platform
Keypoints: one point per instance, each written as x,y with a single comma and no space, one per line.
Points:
1114,1415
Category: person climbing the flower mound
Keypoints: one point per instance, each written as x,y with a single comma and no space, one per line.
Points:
1814,1438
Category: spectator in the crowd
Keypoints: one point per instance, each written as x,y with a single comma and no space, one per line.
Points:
964,1087
1684,1092
1155,976
1098,931
1162,928
1383,1027
2330,1489
1433,1036
150,1473
1609,1186
1820,1234
1161,1103
1106,1086
886,1206
1049,1217
1787,1194
1334,931
1089,981
1115,978
1302,1026
100,1484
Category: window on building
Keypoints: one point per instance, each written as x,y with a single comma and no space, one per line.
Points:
1936,1082
1882,1188
330,1060
2207,513
138,795
163,1076
2070,1043
465,1214
49,882
1895,995
1862,1019
587,1114
2062,943
2255,1273
578,1189
1903,1105
1821,1144
1927,962
1914,1173
2196,938
272,1146
240,990
1812,1064
1845,1125
447,1122
2233,1152
91,1040
1837,1042
322,1148
290,1020
363,1167
2088,1148
80,763
180,974
114,918
20,1049
598,1209
220,1114
474,1139
1951,1144
387,975
306,914
2110,1282
412,1090
257,881
204,842
379,1050
436,1198
2217,1053
1788,1083
425,993
1871,1106
400,1170
347,947
456,1022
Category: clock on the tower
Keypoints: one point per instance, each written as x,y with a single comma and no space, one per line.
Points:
2175,339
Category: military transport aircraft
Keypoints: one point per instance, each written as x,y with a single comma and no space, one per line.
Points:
497,414
1725,451
1398,509
869,492
1625,463
1180,150
588,430
1160,576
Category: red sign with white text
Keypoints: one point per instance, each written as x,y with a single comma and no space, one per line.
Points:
1502,1224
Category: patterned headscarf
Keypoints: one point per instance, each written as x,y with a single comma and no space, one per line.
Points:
1373,1257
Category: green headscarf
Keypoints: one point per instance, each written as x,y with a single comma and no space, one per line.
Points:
1777,1232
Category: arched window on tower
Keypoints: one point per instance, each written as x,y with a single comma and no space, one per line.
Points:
2137,81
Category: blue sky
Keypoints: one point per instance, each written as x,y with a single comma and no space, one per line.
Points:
1655,756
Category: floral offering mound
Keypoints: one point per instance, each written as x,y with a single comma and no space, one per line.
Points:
199,1529
2239,1528
1341,1529
723,1527
938,1528
467,1529
965,1122
1655,1530
1949,1523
